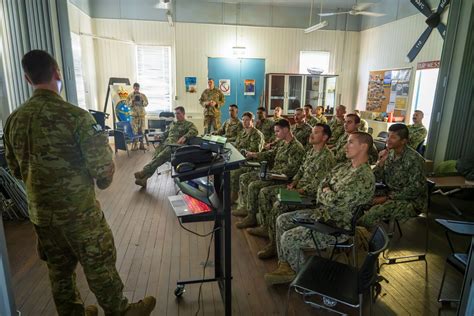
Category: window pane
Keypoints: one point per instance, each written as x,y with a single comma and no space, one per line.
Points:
77,55
314,59
154,76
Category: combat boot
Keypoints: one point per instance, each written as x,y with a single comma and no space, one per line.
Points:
269,251
283,274
139,175
141,182
249,221
260,231
240,212
141,308
91,310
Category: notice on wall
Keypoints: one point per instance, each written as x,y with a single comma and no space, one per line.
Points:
190,84
249,85
224,86
388,90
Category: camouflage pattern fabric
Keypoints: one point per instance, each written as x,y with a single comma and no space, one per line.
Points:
266,127
312,121
285,158
406,188
58,150
349,187
249,188
212,114
230,129
363,126
339,148
250,140
322,119
301,132
417,133
162,153
137,108
337,129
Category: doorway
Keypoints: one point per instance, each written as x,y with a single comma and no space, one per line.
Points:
239,70
424,93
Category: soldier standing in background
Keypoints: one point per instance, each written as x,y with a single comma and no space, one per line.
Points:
212,99
137,102
59,151
417,131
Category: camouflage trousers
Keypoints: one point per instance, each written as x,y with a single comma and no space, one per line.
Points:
266,199
292,239
90,242
235,178
211,123
162,154
249,188
391,209
138,124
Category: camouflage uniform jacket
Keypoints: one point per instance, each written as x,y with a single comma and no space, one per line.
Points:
215,95
405,177
322,119
57,149
230,129
250,140
339,149
266,127
349,187
179,129
301,132
363,126
312,121
314,169
137,108
337,129
286,157
416,134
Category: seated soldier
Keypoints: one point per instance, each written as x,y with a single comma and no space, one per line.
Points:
401,169
248,139
301,130
265,125
337,125
277,114
363,126
178,133
318,163
232,126
348,186
417,130
351,125
320,115
308,115
285,158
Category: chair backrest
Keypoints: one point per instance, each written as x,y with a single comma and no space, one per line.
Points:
383,134
421,148
126,128
368,271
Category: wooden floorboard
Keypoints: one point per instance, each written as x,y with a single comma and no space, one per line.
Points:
154,252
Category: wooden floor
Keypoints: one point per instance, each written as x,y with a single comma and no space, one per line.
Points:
154,252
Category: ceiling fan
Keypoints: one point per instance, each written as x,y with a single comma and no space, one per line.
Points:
357,9
433,20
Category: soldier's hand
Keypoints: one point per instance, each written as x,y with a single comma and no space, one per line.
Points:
212,103
379,200
291,185
301,191
326,189
182,140
251,154
383,155
268,146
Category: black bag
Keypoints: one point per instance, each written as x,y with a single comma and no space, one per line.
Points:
193,154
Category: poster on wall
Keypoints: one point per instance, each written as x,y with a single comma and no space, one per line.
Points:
224,86
190,83
249,85
388,90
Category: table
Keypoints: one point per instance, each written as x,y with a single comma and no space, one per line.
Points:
453,184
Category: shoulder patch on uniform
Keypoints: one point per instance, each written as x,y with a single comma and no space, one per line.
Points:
97,128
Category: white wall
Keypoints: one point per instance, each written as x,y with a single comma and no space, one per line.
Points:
386,47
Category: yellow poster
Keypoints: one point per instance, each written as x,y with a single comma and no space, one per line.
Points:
401,103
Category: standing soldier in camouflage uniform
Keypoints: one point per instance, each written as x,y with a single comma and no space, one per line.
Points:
337,125
212,99
417,131
363,126
308,115
320,115
59,152
232,126
348,186
248,139
401,169
301,130
265,125
318,162
285,158
137,102
179,133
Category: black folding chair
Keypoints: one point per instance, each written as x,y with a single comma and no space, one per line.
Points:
332,285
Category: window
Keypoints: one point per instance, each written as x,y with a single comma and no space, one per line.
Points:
154,76
77,55
314,59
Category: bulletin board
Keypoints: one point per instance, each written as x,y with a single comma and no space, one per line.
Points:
388,90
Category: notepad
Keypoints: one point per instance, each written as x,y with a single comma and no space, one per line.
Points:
287,196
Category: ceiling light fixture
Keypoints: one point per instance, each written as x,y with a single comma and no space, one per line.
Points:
170,18
316,27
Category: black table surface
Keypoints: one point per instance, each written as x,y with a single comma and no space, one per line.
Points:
457,227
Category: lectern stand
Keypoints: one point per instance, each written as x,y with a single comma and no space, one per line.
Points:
222,222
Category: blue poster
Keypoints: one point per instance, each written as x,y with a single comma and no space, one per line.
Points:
190,83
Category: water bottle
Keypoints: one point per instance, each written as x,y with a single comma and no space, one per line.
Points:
263,170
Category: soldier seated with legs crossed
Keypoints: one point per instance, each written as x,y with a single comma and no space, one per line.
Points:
348,186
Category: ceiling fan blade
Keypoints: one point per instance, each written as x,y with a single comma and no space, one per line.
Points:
419,44
362,6
368,13
422,7
442,30
442,4
331,13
